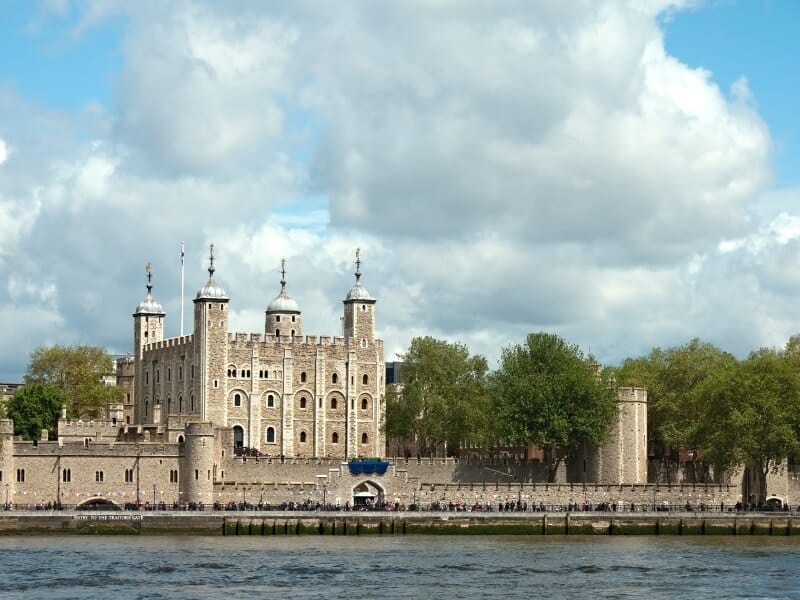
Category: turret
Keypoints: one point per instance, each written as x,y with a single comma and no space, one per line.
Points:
359,310
197,468
7,466
283,314
210,347
148,328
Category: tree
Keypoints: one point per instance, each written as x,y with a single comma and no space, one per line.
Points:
79,372
35,406
674,379
443,398
752,414
546,392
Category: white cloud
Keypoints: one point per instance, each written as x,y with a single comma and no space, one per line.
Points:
506,167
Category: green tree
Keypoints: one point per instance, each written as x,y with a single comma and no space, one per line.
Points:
752,414
546,392
443,399
35,406
79,372
674,379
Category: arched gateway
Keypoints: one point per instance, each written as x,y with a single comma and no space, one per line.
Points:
368,493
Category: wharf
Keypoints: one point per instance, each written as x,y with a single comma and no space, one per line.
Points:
260,523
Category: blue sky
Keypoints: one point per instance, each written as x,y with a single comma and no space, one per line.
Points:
631,203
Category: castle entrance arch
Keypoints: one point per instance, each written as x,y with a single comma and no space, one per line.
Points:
368,493
97,504
238,437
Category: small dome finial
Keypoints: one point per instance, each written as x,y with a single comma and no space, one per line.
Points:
358,264
149,306
211,260
283,274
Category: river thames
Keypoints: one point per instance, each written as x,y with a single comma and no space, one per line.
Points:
441,568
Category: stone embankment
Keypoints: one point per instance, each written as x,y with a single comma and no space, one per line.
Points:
397,523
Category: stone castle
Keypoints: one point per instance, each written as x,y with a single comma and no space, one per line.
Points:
221,417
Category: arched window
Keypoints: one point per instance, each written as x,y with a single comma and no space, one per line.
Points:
237,400
270,435
333,403
303,402
364,438
277,333
146,408
302,437
334,378
180,404
365,379
364,404
303,377
270,401
180,439
334,438
191,403
238,436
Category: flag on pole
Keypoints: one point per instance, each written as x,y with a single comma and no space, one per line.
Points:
182,253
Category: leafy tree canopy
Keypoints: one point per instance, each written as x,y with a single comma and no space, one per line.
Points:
35,406
674,379
548,393
78,371
443,396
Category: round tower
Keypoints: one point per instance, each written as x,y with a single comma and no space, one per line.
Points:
148,328
197,466
7,465
623,458
283,313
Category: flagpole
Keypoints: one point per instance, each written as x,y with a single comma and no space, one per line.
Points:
182,253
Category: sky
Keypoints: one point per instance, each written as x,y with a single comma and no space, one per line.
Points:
624,173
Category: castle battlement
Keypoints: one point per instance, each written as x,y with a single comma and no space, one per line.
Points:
183,340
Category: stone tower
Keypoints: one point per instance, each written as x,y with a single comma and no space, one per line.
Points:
7,466
359,334
210,348
623,458
197,469
283,313
148,328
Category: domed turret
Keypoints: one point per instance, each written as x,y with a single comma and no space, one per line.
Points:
149,305
211,290
283,313
359,310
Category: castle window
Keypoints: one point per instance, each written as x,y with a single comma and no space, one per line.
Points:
98,476
270,435
216,383
192,372
334,378
145,334
169,374
363,343
302,402
303,377
147,377
197,474
66,475
237,400
277,318
270,401
158,375
180,373
365,379
180,404
146,408
128,475
292,332
248,373
173,475
21,475
363,404
292,318
127,398
364,438
302,437
333,403
180,439
334,438
191,403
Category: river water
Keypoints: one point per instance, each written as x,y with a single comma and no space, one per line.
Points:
440,568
